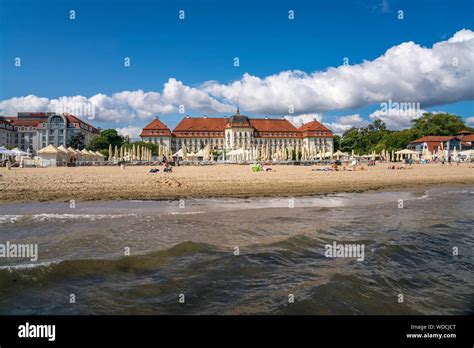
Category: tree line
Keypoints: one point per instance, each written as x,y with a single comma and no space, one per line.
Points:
376,136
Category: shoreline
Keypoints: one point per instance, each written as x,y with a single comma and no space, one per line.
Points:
22,185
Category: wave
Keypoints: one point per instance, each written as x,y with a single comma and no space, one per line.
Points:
54,217
59,270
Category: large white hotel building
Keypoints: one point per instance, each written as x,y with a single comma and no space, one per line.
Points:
237,131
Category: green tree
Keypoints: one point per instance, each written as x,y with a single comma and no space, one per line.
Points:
112,137
376,137
396,140
438,124
76,141
364,139
337,142
106,137
98,143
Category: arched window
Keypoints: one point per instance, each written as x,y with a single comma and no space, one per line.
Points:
56,122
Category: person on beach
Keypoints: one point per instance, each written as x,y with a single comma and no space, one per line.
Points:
167,168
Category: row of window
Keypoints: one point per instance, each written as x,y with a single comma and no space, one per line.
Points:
212,134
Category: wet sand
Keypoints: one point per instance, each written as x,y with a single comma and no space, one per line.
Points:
134,182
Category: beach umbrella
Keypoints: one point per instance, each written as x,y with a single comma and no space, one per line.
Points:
184,152
110,152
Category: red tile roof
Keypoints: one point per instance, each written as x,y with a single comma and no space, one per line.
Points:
433,138
469,137
315,128
273,125
26,123
73,119
34,119
214,127
155,128
216,124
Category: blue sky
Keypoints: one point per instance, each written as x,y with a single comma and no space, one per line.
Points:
84,57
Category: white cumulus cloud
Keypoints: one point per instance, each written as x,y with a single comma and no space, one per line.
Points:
305,118
407,72
132,132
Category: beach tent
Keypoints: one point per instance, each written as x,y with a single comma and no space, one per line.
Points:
407,153
65,154
73,151
179,153
65,151
5,151
19,153
191,156
340,154
200,153
50,156
467,152
86,156
100,157
93,155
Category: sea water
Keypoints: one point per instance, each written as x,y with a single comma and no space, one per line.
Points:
244,256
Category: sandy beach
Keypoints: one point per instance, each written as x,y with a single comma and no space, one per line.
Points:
112,183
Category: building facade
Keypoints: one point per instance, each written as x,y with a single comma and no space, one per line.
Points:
156,132
33,131
8,134
462,140
238,131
